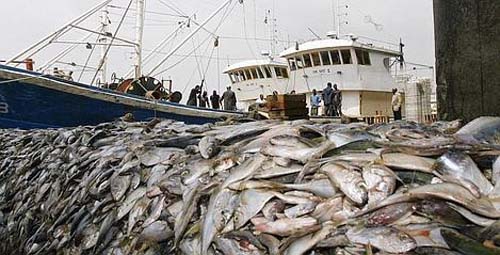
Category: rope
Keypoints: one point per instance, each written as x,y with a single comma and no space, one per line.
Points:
208,66
208,37
112,40
199,64
88,59
245,32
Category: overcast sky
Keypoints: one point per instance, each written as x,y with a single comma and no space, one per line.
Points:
24,22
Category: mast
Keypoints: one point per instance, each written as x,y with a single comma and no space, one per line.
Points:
138,39
104,41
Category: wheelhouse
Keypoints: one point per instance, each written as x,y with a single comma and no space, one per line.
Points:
250,79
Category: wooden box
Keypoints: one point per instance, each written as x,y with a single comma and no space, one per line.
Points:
286,102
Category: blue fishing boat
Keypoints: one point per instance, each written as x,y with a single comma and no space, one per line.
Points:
43,99
34,100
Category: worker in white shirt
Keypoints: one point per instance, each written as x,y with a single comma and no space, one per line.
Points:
397,102
261,101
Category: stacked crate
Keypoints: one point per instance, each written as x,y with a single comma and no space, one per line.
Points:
287,107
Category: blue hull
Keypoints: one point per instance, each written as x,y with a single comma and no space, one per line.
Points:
31,101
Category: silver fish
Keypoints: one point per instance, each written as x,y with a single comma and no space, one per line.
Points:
251,202
408,162
305,243
481,130
209,147
349,181
386,239
158,231
380,182
155,212
244,171
458,167
300,210
445,191
137,212
288,227
218,214
129,202
119,186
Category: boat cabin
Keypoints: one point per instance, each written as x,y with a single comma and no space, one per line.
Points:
360,70
252,78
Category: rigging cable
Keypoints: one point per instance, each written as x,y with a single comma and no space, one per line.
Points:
111,43
208,37
88,60
199,64
246,33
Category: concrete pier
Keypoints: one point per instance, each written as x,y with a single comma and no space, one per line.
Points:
467,58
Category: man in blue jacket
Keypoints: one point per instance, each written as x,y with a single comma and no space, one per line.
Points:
327,99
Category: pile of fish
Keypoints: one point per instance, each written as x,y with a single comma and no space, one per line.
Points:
268,187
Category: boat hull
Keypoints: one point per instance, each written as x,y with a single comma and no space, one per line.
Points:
30,100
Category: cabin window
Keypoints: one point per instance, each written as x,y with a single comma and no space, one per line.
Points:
259,72
346,57
231,77
236,77
299,63
335,57
291,63
268,72
316,59
325,58
247,74
242,76
284,72
307,60
254,73
281,72
366,56
363,57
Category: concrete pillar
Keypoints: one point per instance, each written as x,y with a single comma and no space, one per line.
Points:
467,58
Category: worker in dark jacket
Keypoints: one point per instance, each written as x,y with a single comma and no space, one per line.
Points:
192,100
327,99
203,99
215,100
337,101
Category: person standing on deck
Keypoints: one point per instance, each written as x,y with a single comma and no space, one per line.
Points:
215,100
327,99
337,101
315,103
229,98
397,101
192,100
203,99
261,101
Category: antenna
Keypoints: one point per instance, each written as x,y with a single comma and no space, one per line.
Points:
339,14
271,21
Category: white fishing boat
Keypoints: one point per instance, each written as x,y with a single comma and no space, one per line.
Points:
361,70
